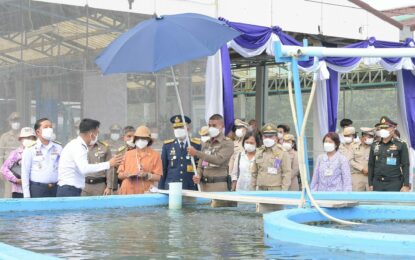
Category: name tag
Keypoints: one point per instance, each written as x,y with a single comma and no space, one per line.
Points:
328,172
205,163
272,170
391,161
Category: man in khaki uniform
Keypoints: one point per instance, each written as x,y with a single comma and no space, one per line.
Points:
360,159
289,145
212,169
346,148
9,141
102,183
272,167
115,141
241,129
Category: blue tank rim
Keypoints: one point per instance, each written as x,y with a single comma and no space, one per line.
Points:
289,226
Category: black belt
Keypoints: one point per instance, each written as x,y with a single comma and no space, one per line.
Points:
389,178
49,185
214,179
93,180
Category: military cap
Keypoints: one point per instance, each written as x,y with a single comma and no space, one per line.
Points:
269,129
115,127
368,131
350,130
13,116
386,122
204,130
143,131
239,122
178,122
27,132
288,137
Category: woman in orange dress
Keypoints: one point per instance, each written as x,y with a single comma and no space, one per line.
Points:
141,167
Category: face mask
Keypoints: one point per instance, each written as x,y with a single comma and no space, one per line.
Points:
93,142
47,133
115,136
141,143
280,135
15,125
53,137
269,142
250,129
348,139
130,143
27,142
205,138
384,133
249,148
180,133
329,147
378,133
369,141
213,131
239,132
287,146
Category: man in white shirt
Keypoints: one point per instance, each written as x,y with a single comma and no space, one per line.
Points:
73,165
40,163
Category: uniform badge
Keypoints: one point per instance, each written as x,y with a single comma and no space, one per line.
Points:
393,147
376,148
190,168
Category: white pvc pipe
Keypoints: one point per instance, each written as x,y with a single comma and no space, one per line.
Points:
294,51
175,195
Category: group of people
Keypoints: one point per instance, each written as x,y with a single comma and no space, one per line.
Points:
247,159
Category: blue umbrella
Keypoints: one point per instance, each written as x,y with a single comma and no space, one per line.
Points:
164,41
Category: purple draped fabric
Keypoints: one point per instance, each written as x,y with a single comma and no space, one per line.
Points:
228,112
409,90
332,86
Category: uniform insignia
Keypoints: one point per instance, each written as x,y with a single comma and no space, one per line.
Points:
376,148
383,120
228,139
169,141
177,120
121,149
56,142
393,147
195,140
104,143
282,148
32,145
276,153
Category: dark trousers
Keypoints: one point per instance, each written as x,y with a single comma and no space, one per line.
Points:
394,185
40,190
68,191
17,195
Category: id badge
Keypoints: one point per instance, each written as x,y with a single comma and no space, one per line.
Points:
272,170
328,172
277,163
190,168
391,161
205,163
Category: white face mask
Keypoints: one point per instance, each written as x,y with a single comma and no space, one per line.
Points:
239,133
348,139
141,143
268,142
93,142
329,147
384,133
27,142
249,147
280,135
115,136
205,138
287,146
213,131
47,133
369,141
180,133
15,125
130,143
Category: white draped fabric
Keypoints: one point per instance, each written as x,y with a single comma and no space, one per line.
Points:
213,87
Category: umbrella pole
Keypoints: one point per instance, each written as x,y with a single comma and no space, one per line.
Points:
179,100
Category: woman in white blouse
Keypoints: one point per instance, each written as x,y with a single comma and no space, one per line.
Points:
241,171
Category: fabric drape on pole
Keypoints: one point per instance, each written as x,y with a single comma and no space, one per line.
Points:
213,87
228,112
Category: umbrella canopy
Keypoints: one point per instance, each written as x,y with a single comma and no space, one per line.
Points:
165,41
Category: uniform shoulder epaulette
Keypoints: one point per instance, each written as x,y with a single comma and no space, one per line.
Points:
121,149
169,141
56,142
281,147
103,143
196,140
260,149
34,143
228,139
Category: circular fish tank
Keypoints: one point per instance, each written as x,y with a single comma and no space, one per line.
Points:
384,230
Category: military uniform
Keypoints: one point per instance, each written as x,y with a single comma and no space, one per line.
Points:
272,167
347,148
213,163
359,162
114,145
96,183
388,163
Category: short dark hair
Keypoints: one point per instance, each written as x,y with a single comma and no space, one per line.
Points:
333,136
397,133
128,129
346,122
286,128
216,117
248,135
87,125
39,122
